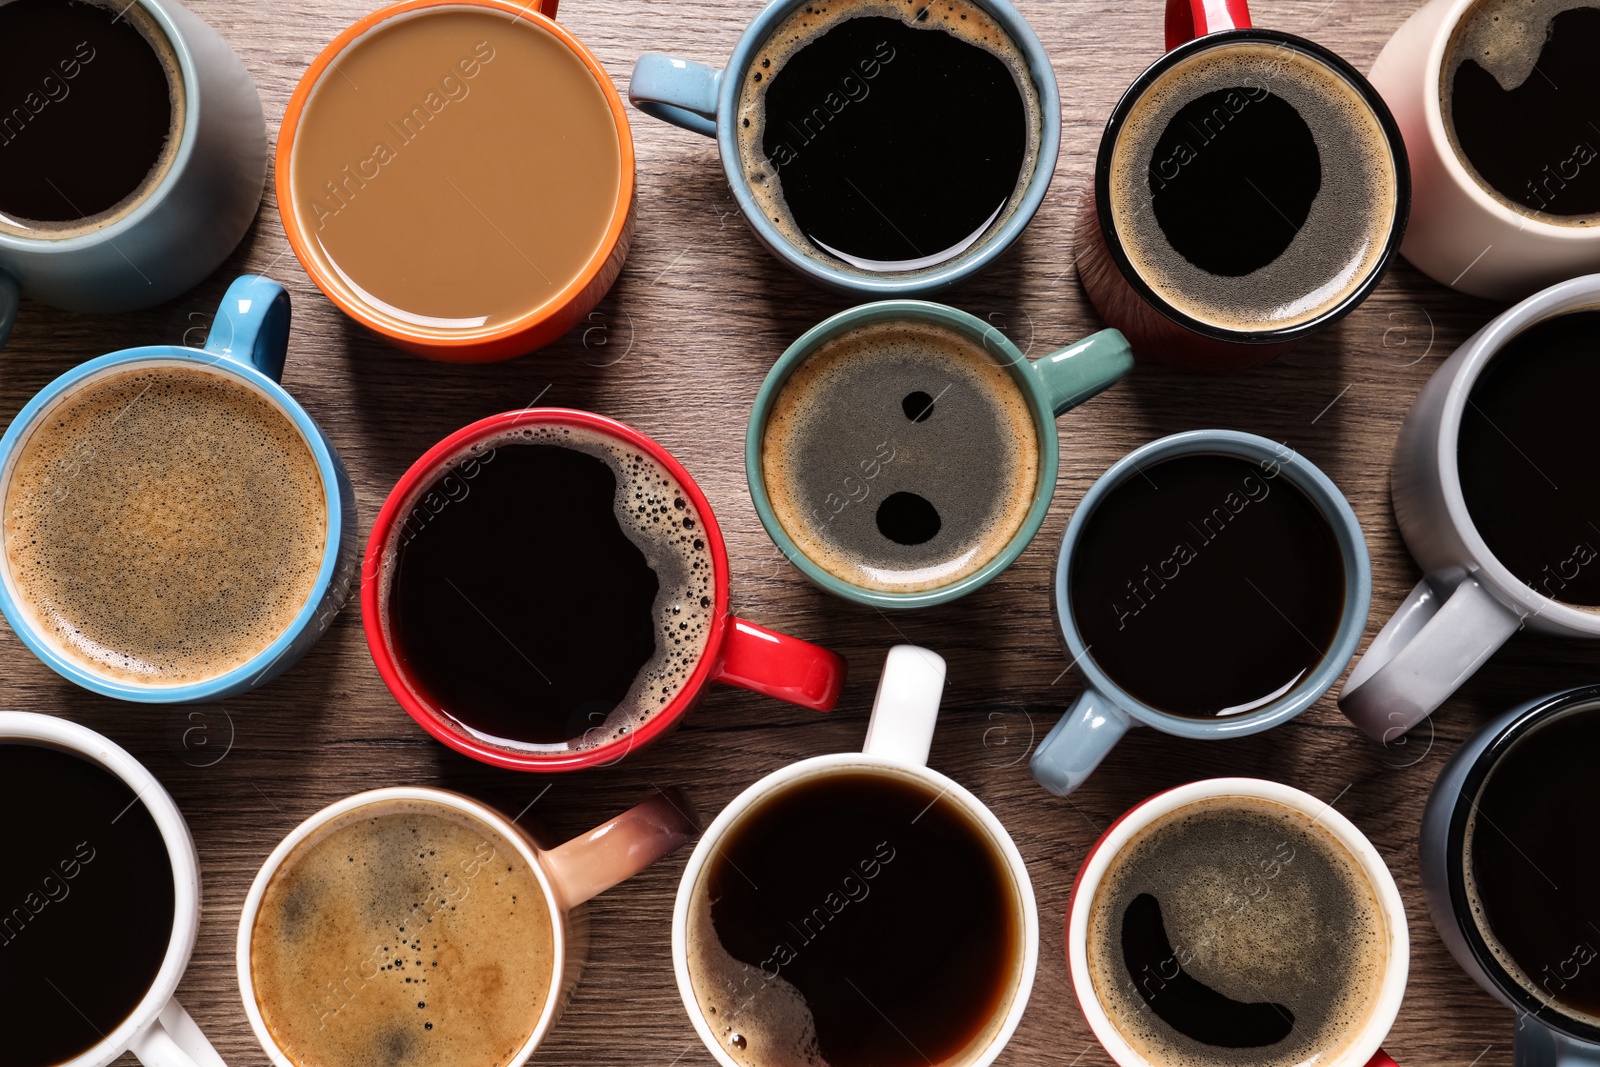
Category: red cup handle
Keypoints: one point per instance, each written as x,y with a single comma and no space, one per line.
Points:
1188,19
1381,1058
777,665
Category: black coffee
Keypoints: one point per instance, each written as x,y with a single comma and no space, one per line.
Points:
91,106
552,590
1207,585
1235,932
1532,892
855,920
1521,94
86,904
1252,186
1527,458
890,135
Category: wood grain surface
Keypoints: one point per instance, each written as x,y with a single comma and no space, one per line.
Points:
678,350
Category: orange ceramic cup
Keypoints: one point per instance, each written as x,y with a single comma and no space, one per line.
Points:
467,207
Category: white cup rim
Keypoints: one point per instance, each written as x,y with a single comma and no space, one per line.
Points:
712,835
456,801
1141,815
30,727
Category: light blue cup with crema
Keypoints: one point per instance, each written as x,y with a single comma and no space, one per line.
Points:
705,100
249,339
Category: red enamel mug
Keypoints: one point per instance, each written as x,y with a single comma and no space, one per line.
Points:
734,652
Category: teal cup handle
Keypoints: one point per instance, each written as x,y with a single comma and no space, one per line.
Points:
678,91
1079,371
1075,746
252,325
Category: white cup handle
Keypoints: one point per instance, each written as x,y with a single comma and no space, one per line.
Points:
1422,654
906,708
175,1041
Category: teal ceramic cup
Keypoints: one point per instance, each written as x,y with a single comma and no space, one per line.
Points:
1104,711
248,342
1048,387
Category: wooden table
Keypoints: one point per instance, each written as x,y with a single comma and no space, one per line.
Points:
678,350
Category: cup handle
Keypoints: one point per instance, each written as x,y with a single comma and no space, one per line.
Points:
620,848
1536,1045
252,325
1381,1058
175,1041
906,708
1075,746
678,91
10,295
781,666
1422,654
1188,19
1073,374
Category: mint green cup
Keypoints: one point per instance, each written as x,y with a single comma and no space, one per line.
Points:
1049,386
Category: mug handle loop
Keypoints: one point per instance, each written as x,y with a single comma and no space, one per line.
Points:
252,325
906,708
1381,1058
1188,19
777,665
1422,654
1075,746
1073,374
175,1041
10,295
1536,1045
620,848
678,91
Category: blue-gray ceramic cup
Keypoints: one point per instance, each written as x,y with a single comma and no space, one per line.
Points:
1104,711
248,341
1544,1034
704,100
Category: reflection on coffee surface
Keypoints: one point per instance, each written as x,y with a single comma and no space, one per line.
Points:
855,919
91,113
901,456
88,904
404,934
1520,93
551,590
1531,891
1252,187
1207,585
1235,932
885,135
164,524
456,169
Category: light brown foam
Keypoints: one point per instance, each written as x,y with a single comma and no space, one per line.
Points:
164,524
403,934
1344,236
455,170
961,19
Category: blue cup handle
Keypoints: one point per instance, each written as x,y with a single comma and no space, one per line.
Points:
252,325
9,295
1077,744
1536,1045
678,91
1073,374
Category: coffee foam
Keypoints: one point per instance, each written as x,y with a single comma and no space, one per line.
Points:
1344,236
403,934
962,19
1245,931
659,517
164,524
831,404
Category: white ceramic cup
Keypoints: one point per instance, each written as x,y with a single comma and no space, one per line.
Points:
1459,234
898,739
570,874
1468,604
1367,1047
158,1031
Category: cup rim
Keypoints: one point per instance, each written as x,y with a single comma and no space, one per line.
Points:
257,666
462,345
962,267
993,341
819,766
1363,88
420,477
1378,876
459,802
1474,355
1322,493
158,196
32,728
